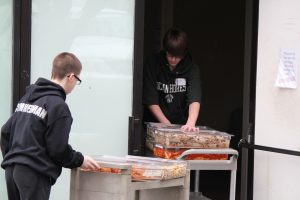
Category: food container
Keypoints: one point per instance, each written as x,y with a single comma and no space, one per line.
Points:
145,168
125,186
174,153
112,164
142,168
173,136
152,127
150,142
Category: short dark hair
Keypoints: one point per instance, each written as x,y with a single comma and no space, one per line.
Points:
64,64
175,42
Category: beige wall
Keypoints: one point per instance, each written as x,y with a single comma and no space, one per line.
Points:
276,176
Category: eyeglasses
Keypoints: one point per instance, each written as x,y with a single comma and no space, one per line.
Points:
78,79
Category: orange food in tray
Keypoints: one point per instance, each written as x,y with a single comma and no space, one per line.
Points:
110,170
142,168
175,153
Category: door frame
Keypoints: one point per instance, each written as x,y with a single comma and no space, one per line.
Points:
136,135
21,62
21,55
249,91
135,126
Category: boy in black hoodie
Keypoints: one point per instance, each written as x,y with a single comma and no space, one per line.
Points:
171,85
34,141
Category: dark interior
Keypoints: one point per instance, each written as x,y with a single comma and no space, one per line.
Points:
216,42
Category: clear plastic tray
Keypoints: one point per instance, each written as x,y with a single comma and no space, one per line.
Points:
175,152
156,168
173,136
143,168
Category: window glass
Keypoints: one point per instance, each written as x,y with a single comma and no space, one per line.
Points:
5,74
100,33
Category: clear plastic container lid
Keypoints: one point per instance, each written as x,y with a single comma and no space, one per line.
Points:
173,136
152,161
112,161
200,132
128,160
143,168
154,125
156,168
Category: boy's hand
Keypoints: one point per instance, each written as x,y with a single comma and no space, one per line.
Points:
189,128
89,164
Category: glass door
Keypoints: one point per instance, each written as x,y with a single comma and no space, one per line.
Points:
101,34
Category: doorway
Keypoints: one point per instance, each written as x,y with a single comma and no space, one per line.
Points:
216,42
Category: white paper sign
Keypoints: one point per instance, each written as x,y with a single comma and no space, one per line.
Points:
287,70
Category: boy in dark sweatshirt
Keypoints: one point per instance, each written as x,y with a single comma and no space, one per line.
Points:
171,84
34,140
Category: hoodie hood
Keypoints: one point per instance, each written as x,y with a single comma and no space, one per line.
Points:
43,87
183,66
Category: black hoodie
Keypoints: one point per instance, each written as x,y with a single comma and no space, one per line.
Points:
37,133
173,90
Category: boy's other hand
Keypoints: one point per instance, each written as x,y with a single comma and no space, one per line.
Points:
89,164
189,128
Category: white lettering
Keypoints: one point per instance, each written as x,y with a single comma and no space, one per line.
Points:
25,108
33,109
38,111
43,113
171,88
